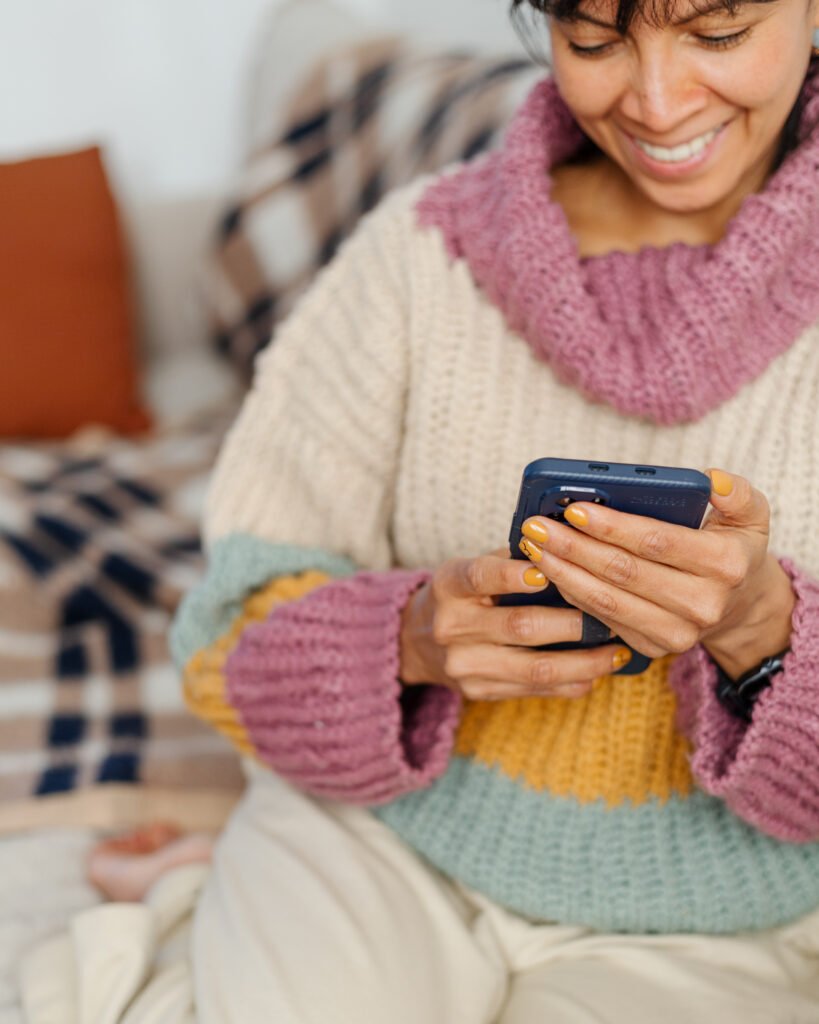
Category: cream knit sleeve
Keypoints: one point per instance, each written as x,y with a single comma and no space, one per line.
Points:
291,644
312,458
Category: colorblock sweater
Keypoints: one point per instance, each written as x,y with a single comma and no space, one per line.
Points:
456,337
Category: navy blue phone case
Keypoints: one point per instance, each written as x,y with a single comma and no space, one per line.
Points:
549,486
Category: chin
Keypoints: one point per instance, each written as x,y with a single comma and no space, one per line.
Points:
687,199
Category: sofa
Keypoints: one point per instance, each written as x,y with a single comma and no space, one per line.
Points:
99,529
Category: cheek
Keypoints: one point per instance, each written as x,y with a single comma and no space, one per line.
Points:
589,89
756,85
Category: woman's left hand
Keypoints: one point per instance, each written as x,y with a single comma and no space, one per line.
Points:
664,588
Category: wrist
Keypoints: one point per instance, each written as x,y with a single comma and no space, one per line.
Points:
412,670
765,628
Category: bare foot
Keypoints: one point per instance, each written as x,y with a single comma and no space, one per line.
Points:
124,868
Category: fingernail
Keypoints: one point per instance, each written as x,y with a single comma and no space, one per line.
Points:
577,516
535,530
721,482
531,550
534,578
621,657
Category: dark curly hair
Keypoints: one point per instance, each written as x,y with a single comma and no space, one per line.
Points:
525,13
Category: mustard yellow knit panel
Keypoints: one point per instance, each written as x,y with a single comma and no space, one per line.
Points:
204,678
618,743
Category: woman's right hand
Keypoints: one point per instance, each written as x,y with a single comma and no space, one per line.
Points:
454,633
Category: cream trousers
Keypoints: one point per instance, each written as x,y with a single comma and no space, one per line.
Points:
316,913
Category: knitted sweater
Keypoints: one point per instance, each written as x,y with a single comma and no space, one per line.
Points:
386,431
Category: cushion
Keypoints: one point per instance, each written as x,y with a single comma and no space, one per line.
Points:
367,117
66,325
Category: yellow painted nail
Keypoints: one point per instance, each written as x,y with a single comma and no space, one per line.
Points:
531,550
535,530
534,578
721,482
577,516
621,657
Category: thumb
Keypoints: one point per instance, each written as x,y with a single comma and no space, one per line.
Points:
736,503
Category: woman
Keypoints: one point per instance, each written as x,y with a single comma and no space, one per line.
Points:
461,827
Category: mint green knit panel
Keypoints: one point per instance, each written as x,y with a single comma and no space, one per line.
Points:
688,865
238,564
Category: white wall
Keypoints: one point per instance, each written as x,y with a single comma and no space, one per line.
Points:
160,84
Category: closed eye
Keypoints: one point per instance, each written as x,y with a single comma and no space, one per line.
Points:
590,51
724,42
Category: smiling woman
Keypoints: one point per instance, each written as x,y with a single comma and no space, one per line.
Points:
687,109
464,822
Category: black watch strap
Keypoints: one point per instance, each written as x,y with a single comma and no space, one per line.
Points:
739,695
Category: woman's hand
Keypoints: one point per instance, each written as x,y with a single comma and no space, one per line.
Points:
665,588
455,633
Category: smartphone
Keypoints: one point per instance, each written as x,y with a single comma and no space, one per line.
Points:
549,486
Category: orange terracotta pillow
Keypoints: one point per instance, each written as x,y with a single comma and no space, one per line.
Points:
67,338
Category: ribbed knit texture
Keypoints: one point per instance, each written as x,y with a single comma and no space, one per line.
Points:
317,688
686,326
388,427
767,774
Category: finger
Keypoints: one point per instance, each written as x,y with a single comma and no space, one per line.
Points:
678,547
737,503
515,672
641,622
490,575
674,589
571,691
526,625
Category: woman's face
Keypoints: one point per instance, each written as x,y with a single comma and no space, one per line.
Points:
692,111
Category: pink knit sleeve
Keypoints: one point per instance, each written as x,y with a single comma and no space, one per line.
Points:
316,686
766,771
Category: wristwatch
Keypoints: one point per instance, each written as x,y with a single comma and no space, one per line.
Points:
739,695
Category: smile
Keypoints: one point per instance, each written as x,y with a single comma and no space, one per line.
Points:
677,154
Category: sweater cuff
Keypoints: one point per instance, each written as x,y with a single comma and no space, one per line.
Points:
316,687
767,771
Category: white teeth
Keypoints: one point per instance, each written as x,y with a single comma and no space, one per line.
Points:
678,153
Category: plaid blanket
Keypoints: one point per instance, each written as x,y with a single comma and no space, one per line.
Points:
98,541
99,535
369,118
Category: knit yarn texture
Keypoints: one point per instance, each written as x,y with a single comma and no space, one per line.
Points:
687,326
386,432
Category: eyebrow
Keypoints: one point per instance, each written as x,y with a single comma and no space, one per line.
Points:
701,12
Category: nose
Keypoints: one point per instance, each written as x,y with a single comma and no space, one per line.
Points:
662,92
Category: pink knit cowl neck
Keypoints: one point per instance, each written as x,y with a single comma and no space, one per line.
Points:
667,334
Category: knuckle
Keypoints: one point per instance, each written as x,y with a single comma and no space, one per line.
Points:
734,570
764,506
621,569
439,583
568,545
521,623
542,674
455,663
651,648
602,604
654,544
443,631
476,575
475,689
746,491
709,611
682,638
